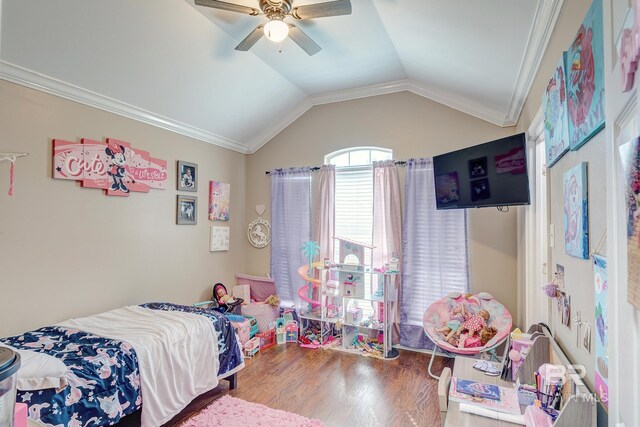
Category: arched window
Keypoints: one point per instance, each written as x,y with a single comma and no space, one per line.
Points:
354,192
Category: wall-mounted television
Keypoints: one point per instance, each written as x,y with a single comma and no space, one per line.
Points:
486,175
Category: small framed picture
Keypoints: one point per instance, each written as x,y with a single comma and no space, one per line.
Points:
478,167
187,210
187,176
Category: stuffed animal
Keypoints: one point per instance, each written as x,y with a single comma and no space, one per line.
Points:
273,301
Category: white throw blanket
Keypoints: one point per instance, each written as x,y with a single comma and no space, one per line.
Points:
177,355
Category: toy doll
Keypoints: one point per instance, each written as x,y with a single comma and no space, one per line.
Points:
474,323
458,316
225,300
486,334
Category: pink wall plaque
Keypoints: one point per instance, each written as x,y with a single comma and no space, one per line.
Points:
113,166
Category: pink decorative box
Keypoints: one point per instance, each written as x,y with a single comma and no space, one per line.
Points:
522,346
264,314
243,330
20,415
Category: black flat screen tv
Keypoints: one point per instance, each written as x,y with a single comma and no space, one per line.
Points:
486,175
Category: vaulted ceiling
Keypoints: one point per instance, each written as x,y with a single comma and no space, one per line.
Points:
173,64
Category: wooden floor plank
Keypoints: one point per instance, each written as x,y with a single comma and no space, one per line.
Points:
337,388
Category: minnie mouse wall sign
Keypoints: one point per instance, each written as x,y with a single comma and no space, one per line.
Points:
113,166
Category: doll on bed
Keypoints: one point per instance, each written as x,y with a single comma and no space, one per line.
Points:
458,316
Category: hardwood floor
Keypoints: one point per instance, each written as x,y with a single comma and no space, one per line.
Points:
338,388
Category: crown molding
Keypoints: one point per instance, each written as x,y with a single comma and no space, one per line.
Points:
270,133
407,85
25,77
459,103
359,92
544,23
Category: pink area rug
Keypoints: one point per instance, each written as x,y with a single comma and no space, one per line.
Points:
233,412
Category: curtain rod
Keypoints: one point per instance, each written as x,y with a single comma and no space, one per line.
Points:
317,168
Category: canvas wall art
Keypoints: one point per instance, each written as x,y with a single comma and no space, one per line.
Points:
602,333
114,166
219,239
630,156
556,122
219,201
584,67
576,212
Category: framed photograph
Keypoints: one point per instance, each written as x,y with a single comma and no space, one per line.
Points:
187,176
187,210
478,167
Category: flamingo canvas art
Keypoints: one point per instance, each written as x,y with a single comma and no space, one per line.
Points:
584,67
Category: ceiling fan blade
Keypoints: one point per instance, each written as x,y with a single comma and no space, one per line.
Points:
251,39
303,40
216,4
320,10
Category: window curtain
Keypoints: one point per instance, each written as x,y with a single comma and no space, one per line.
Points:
324,227
290,229
387,225
435,252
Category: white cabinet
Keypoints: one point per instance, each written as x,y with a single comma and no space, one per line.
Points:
356,310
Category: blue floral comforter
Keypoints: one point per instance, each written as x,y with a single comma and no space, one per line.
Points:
103,376
104,383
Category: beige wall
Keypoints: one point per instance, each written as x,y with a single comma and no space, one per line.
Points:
413,127
578,272
68,251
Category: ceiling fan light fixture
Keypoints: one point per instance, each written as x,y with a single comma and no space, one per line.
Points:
276,30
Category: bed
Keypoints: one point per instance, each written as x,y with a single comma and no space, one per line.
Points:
113,360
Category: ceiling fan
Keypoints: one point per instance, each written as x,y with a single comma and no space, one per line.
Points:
276,29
